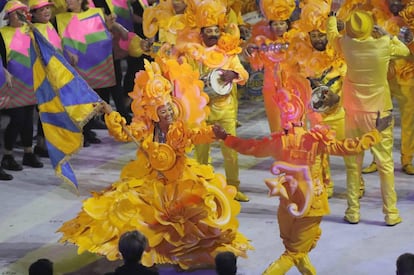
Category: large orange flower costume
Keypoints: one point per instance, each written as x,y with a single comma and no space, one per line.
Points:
187,212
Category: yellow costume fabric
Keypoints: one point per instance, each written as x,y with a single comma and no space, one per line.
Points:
324,66
223,111
187,212
302,148
366,92
401,81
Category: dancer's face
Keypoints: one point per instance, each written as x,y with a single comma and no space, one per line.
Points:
74,5
318,39
165,114
42,15
14,20
179,6
279,27
395,6
210,35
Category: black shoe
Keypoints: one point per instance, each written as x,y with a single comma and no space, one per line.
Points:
97,123
41,152
4,175
90,137
30,159
9,163
86,142
94,140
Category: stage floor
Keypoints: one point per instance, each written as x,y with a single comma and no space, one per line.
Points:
36,203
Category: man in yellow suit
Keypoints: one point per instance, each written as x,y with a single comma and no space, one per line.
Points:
366,92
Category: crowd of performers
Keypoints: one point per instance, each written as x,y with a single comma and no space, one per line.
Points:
330,71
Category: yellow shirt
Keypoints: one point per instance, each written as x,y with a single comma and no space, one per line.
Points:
365,86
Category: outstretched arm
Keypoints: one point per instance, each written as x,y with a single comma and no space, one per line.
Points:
265,147
352,146
118,128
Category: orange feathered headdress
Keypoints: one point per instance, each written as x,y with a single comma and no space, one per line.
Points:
313,15
277,9
169,82
408,14
210,13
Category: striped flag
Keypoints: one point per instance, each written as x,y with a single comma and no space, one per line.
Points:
66,103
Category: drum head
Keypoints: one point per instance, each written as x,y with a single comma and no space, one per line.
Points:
217,85
318,103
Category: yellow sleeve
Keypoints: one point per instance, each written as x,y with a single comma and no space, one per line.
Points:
398,48
202,135
120,131
134,47
351,146
236,66
332,33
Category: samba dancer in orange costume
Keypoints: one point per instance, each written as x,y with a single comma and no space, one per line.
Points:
266,50
298,169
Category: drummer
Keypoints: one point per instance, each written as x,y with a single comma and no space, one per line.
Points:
223,108
325,70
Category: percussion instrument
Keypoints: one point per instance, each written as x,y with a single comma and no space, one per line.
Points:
214,86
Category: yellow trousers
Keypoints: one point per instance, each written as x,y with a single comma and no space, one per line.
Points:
404,94
357,123
337,124
299,236
223,112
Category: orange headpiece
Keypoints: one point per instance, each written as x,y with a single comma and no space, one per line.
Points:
170,82
277,9
210,13
313,15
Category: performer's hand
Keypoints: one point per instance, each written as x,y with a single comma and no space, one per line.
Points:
219,132
227,76
106,108
378,32
250,49
405,35
121,30
383,123
9,78
146,45
73,58
336,5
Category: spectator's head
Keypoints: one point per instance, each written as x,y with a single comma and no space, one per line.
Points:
41,267
77,5
359,25
226,263
41,10
131,246
405,264
10,13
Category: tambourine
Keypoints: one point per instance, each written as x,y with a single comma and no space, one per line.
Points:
214,86
318,99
